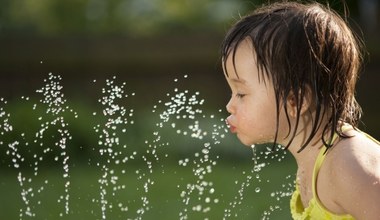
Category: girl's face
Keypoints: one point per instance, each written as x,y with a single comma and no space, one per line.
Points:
252,106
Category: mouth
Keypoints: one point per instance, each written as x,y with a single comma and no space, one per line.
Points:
231,127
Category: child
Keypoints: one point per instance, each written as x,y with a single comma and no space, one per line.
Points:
292,69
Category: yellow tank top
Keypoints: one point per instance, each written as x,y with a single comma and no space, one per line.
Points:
316,210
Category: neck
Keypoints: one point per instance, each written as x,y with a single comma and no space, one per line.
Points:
305,158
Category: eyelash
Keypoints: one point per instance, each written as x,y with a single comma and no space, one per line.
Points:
239,95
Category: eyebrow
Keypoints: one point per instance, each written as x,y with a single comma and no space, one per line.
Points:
238,80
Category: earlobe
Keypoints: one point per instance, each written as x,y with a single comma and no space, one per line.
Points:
302,103
291,103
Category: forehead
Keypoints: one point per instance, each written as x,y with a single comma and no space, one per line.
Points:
241,66
240,62
241,50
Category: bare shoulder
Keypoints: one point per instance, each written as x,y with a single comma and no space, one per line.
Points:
354,171
357,155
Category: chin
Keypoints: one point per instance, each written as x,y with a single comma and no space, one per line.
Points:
249,142
246,142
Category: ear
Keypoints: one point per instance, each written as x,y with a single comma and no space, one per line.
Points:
292,103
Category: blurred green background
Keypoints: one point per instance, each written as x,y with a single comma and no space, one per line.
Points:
148,44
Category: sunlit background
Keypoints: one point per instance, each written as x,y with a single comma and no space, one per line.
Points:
154,46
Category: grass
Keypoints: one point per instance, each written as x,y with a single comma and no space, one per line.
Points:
165,201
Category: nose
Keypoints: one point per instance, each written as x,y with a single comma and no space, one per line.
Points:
229,106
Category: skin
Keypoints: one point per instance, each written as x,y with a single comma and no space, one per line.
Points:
349,179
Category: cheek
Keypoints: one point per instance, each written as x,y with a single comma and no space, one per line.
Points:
284,125
259,120
249,118
245,116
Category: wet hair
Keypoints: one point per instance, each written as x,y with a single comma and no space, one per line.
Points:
308,50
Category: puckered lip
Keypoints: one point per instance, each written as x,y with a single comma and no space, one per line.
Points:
231,127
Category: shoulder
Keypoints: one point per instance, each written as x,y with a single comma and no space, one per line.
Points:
354,173
355,155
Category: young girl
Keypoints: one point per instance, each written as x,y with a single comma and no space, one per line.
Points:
292,69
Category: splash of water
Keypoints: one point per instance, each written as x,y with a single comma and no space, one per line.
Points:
111,150
55,110
181,112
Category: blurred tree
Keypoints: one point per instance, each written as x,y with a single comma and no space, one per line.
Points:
132,17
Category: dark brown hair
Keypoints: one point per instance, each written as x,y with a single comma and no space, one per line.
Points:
304,49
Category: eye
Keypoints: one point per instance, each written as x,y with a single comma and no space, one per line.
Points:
240,95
